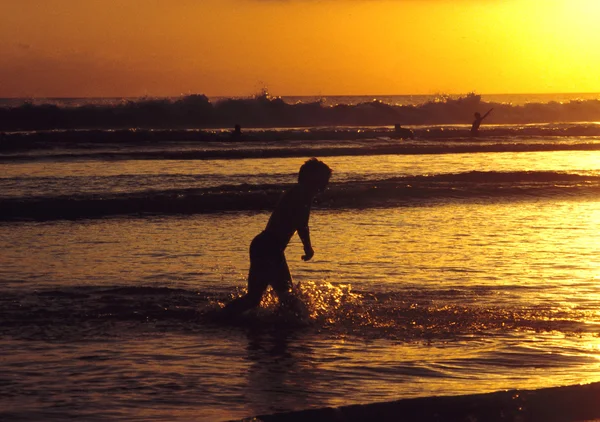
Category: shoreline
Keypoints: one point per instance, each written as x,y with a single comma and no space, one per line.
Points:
568,403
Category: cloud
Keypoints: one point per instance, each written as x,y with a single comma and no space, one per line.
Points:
36,74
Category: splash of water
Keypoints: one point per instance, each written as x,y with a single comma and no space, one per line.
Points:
318,302
328,303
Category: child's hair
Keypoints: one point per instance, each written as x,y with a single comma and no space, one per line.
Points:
314,172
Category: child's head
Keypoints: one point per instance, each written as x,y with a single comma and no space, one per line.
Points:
314,174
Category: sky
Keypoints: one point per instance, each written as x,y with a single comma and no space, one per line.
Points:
120,48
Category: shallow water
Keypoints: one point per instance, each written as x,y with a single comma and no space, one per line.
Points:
103,318
434,274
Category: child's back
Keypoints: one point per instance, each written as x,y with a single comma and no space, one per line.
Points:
290,215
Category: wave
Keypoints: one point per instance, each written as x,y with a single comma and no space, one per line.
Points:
203,145
391,192
95,311
196,111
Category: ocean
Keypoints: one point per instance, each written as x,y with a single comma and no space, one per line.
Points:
445,264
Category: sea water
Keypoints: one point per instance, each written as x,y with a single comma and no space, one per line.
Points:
436,272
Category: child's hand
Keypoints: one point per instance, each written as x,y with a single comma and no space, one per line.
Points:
309,253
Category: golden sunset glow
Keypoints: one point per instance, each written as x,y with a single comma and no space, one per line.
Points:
297,47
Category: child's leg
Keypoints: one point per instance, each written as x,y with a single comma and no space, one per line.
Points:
282,285
256,288
282,279
258,278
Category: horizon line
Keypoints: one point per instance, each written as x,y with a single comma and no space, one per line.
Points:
293,95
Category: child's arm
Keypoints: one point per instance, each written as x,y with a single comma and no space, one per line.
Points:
304,233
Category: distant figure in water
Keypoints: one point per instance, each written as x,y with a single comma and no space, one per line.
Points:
477,122
267,258
403,133
237,132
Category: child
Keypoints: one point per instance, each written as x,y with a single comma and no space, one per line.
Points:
267,258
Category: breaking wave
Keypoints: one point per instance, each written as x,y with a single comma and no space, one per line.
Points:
391,192
197,111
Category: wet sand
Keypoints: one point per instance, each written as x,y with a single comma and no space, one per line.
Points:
572,403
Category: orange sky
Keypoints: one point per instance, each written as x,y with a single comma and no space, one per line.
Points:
297,47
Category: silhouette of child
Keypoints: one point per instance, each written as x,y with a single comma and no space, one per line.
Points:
267,258
477,122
